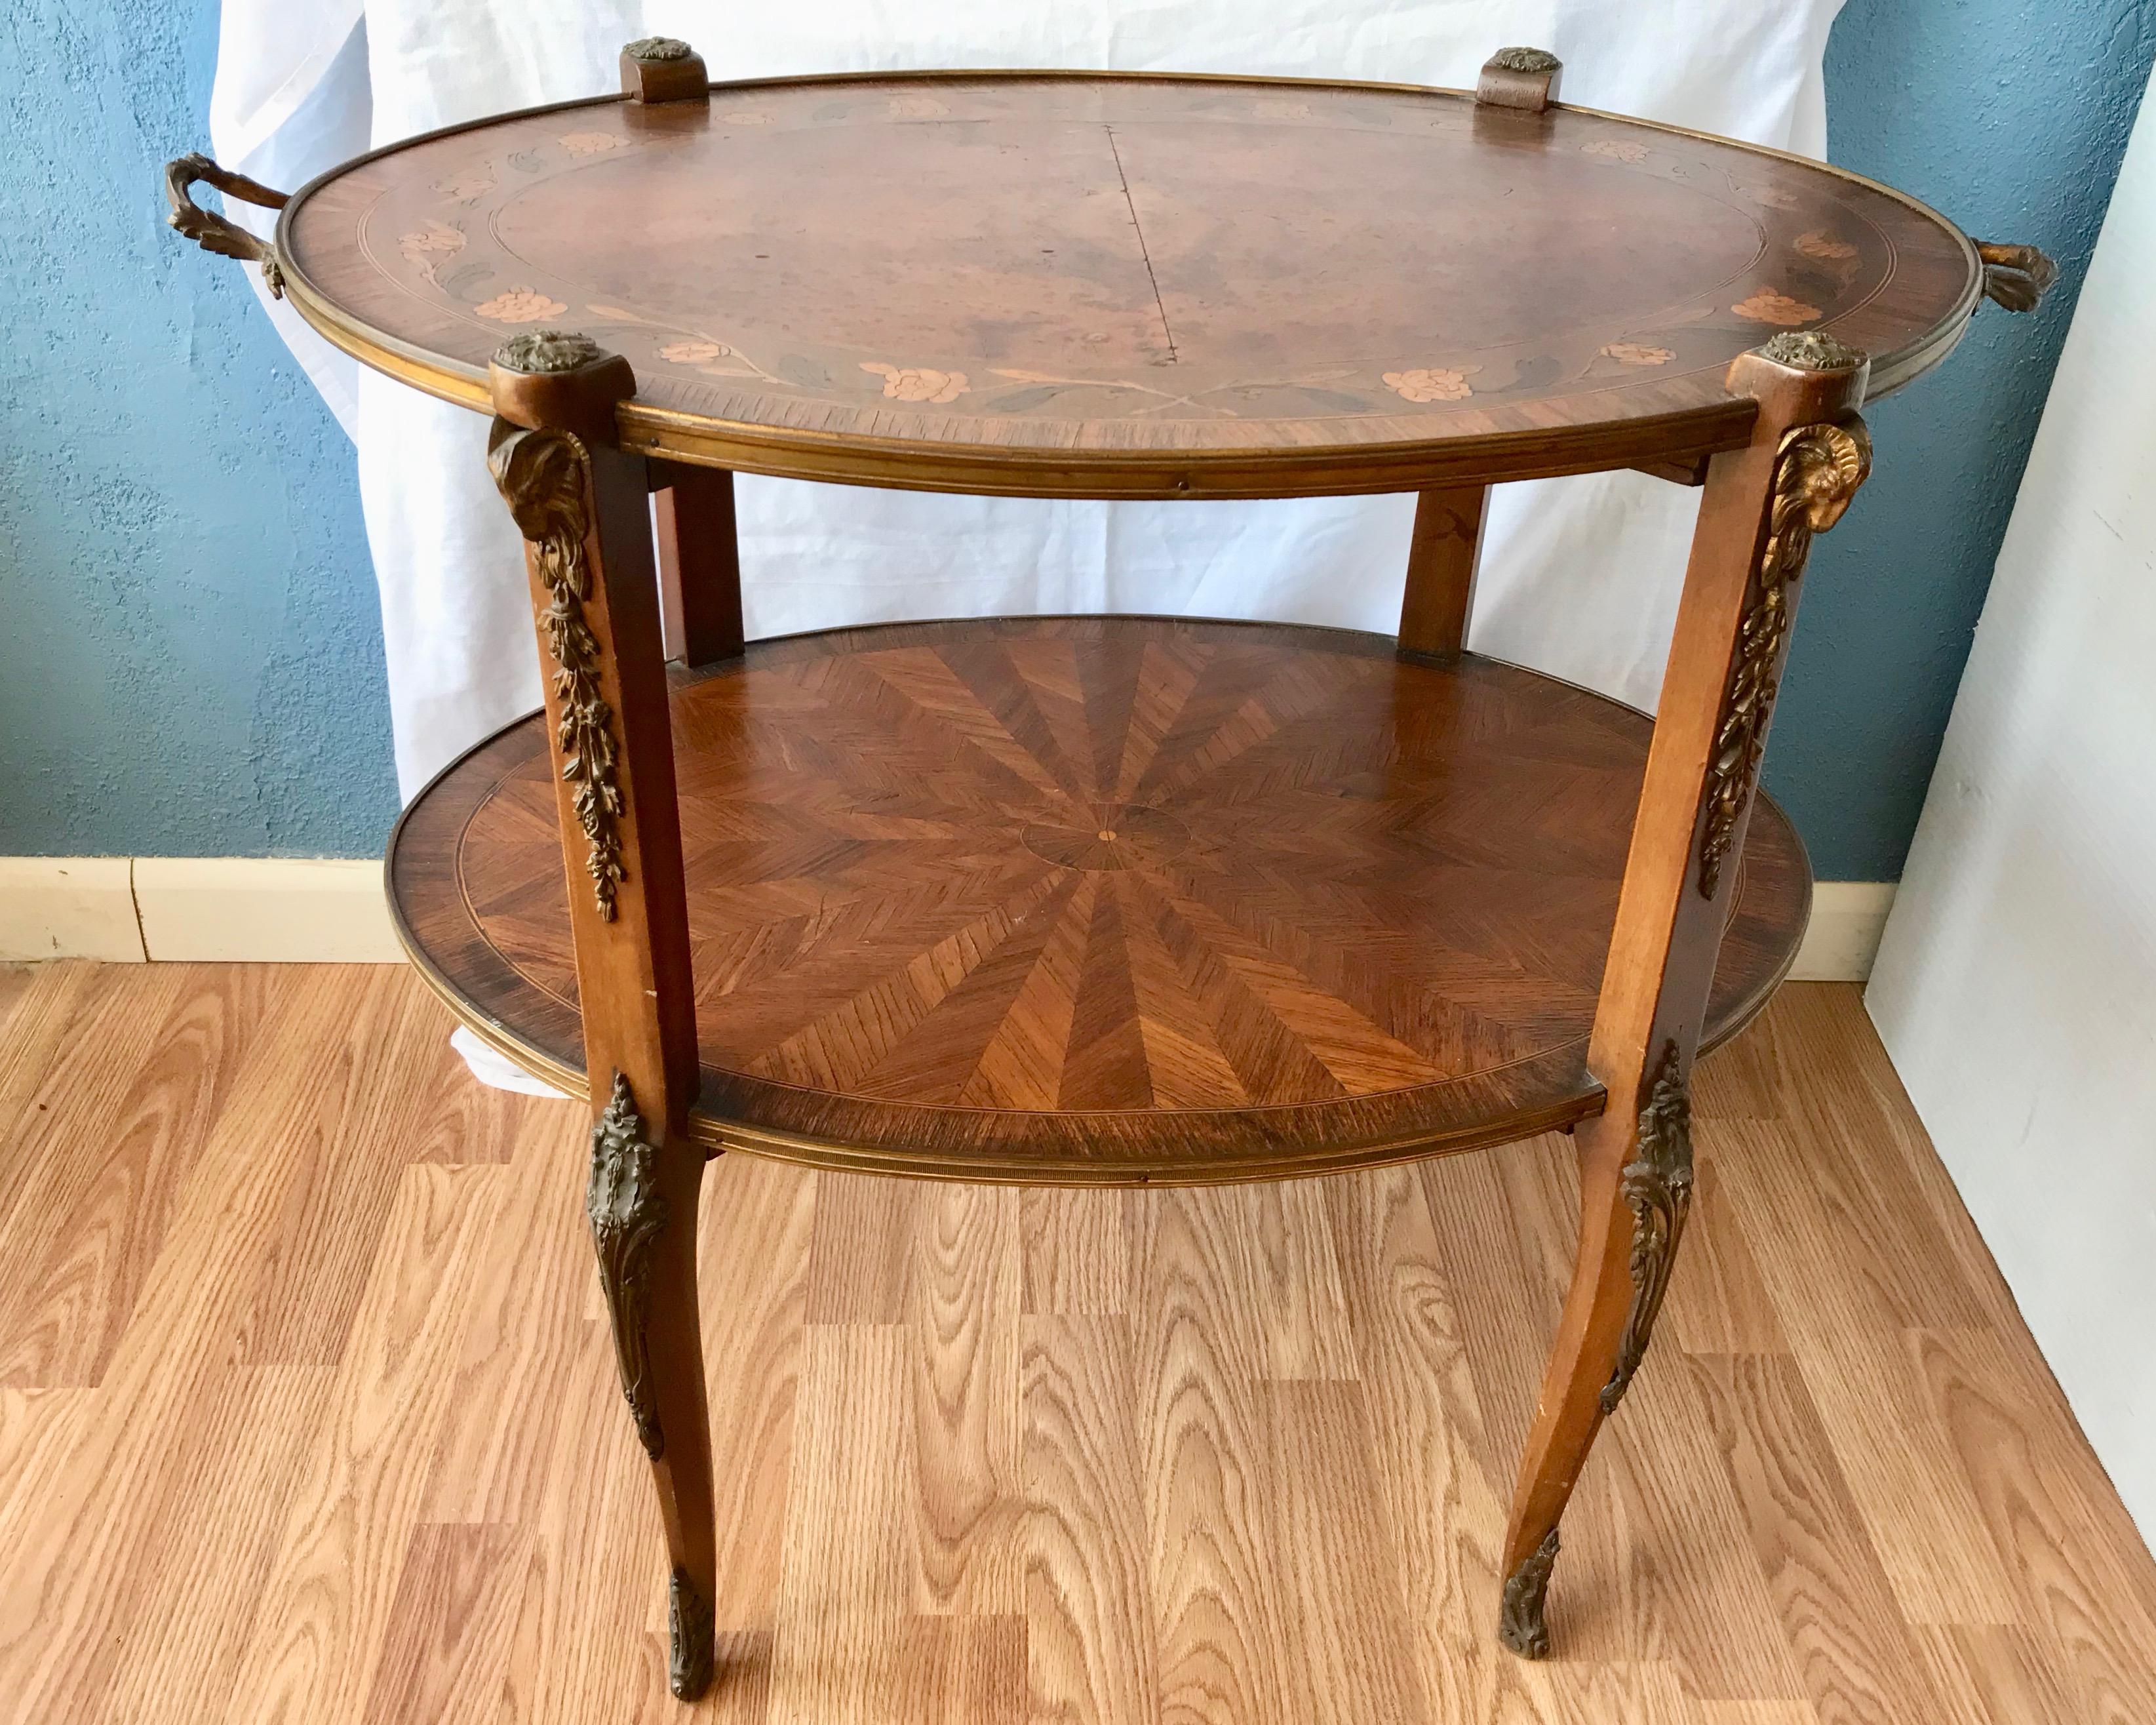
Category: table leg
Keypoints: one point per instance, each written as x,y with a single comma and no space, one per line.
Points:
1442,559
699,562
1808,454
581,506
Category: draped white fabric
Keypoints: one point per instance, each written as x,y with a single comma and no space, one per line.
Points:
1579,575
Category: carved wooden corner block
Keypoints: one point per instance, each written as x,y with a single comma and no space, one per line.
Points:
1522,77
663,69
560,380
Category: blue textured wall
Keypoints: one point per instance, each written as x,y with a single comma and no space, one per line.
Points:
192,664
194,668
2009,116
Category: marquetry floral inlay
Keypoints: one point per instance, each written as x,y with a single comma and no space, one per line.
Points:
1773,197
693,353
520,305
1767,306
463,187
1615,149
1430,383
917,383
1638,353
428,248
589,143
917,107
1820,244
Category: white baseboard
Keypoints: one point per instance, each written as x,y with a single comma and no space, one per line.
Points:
289,910
68,908
1848,917
264,909
261,910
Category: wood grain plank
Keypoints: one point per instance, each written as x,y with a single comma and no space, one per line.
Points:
753,1257
1220,1622
966,1398
106,1171
1075,1250
444,1646
1855,1655
528,1321
1345,1612
1839,1303
224,1496
1090,1648
1027,1456
2045,1499
96,1509
331,1595
851,1555
1445,1511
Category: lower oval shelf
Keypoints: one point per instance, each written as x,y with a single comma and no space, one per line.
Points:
1103,900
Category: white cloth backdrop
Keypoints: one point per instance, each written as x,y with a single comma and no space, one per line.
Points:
1579,575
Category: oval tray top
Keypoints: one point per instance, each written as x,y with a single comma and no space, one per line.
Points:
1062,283
1103,900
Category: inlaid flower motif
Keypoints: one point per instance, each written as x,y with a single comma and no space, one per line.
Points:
1767,306
917,383
1427,383
1615,149
520,305
917,107
1278,108
1820,244
1638,353
1772,197
693,353
589,143
430,246
462,188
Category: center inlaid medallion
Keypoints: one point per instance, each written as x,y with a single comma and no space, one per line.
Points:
1116,836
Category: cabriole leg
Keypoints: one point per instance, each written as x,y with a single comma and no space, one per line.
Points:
1809,453
580,504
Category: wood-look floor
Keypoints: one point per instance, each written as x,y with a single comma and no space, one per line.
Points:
307,1412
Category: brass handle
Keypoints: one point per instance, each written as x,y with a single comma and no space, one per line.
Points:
2015,277
213,233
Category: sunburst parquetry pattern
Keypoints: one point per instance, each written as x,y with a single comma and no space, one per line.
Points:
1093,888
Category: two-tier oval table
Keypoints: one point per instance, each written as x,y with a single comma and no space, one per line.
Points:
1115,899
